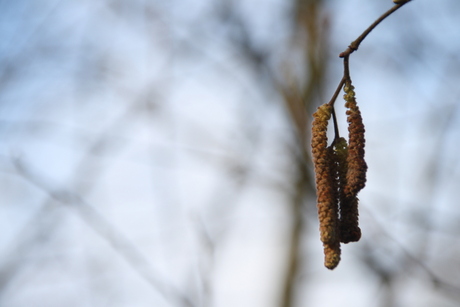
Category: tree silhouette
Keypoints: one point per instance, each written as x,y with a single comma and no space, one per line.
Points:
158,153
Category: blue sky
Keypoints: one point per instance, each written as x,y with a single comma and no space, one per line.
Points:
142,157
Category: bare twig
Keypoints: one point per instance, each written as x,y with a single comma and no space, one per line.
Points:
110,233
353,47
355,44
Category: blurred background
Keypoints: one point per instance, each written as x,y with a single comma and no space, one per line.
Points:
156,153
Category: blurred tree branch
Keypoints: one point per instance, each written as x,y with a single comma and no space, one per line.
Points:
121,244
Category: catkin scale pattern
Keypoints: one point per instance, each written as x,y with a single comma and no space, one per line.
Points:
357,167
340,171
325,185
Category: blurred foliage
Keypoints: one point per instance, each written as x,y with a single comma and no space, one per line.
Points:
156,153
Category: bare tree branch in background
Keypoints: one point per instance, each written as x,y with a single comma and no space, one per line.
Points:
179,133
103,227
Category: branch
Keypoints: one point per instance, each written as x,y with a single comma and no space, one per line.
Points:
103,227
342,174
355,44
353,47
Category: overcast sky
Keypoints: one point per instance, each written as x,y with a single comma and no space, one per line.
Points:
145,163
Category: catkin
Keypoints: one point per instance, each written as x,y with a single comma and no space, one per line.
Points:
357,167
331,255
348,225
332,248
340,171
348,221
340,157
326,187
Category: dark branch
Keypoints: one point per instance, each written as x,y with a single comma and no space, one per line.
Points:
355,44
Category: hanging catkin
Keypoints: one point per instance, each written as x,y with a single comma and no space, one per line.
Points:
348,221
326,187
357,167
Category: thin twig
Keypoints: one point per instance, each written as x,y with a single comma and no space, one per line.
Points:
353,47
346,68
336,126
334,117
120,243
337,91
355,44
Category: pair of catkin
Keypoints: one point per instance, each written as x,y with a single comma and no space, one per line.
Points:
340,172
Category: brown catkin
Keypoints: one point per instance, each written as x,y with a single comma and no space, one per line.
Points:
348,222
349,229
340,157
326,187
357,167
331,255
332,248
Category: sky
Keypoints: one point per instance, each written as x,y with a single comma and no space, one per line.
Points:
145,162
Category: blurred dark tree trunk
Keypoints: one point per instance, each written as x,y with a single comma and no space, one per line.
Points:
309,38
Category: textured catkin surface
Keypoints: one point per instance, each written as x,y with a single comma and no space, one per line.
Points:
326,187
357,167
348,221
340,171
